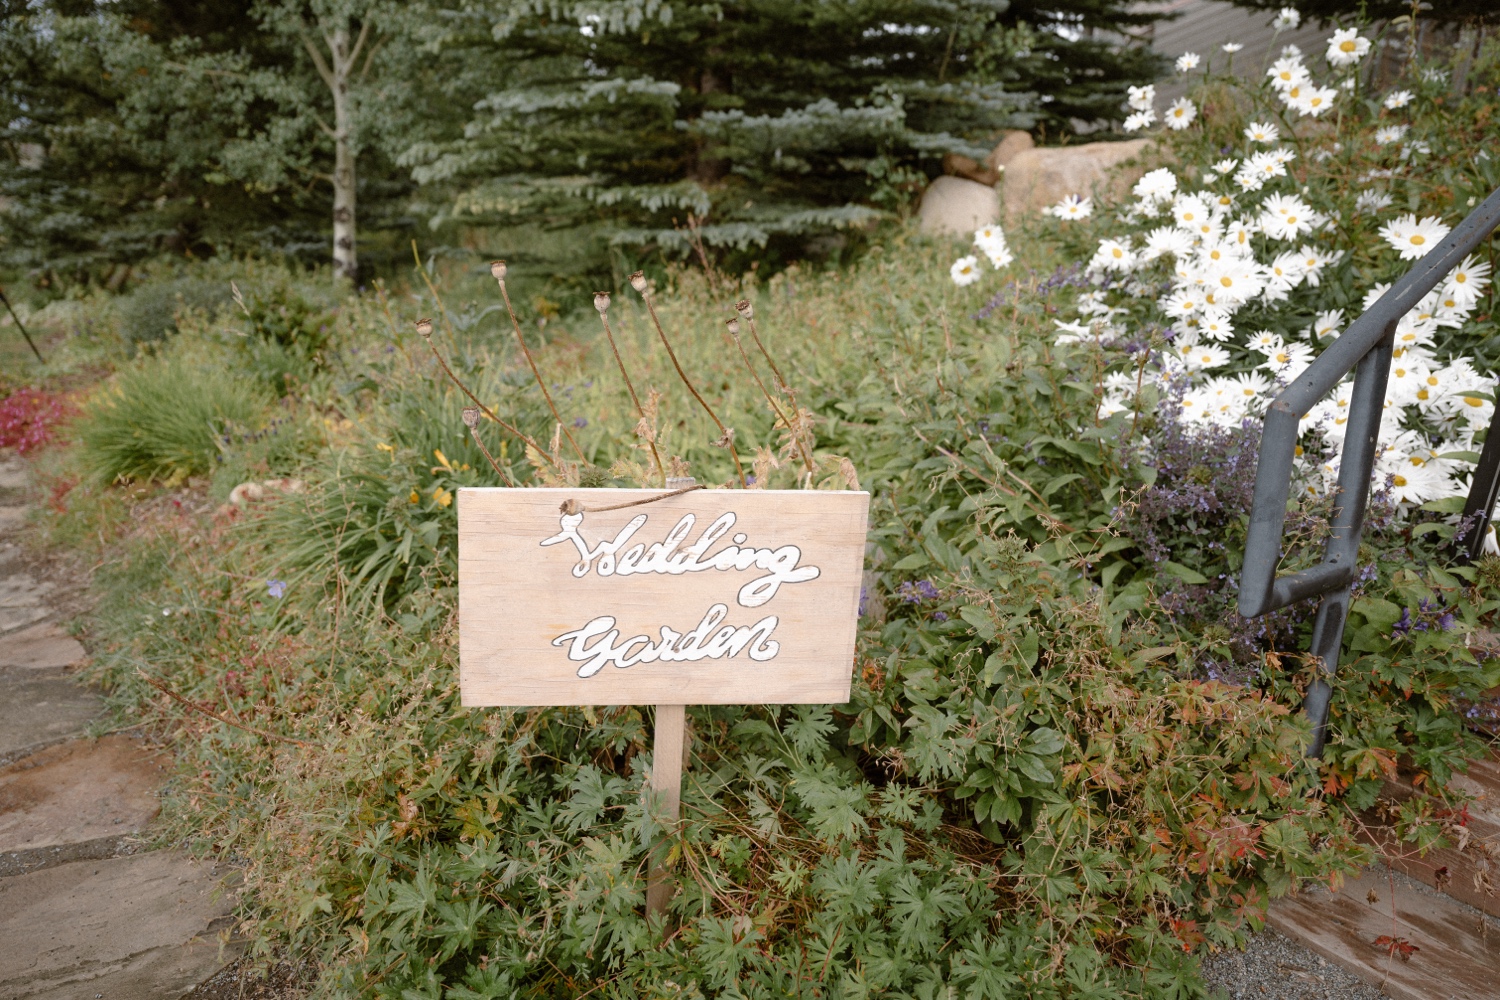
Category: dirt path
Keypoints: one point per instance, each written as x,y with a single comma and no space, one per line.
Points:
85,910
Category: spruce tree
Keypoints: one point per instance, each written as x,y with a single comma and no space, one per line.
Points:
751,124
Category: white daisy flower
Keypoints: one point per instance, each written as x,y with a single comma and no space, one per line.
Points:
998,255
1252,386
1346,47
1286,19
1204,357
1187,61
1225,167
1313,262
988,235
1233,282
1387,134
1266,342
1466,283
1286,71
1158,185
1182,303
1266,165
1073,207
1398,99
1286,217
1411,238
1404,382
1327,325
1262,132
1288,361
1285,271
1141,98
1180,115
1138,120
1214,325
1311,101
1113,255
1231,47
1167,240
965,271
1370,202
1417,485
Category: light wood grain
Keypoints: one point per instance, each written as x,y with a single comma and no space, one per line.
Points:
517,596
666,787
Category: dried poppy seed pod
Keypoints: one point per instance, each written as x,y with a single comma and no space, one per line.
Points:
424,327
638,281
601,302
471,417
745,309
734,327
497,269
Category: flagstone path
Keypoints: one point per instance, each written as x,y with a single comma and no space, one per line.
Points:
85,910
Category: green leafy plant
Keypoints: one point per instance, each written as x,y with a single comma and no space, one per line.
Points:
162,418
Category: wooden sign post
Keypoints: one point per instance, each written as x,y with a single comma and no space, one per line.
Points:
639,597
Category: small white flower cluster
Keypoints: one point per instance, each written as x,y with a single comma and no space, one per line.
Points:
1242,235
990,241
1295,85
1142,100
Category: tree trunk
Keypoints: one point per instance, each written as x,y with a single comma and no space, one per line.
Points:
345,259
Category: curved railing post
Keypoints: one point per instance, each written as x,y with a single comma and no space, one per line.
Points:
1366,349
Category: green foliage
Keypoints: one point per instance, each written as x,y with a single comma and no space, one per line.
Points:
1038,788
162,419
150,313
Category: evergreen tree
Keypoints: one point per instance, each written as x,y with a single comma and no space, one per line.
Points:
751,123
147,127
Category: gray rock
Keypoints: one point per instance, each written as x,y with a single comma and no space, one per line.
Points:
143,927
952,206
1038,178
78,791
39,707
40,647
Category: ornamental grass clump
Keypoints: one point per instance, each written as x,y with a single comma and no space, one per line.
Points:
163,418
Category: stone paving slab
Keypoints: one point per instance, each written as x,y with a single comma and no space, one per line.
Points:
11,519
143,927
77,791
40,647
39,707
19,590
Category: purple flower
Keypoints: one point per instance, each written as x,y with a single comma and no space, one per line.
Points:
276,588
580,422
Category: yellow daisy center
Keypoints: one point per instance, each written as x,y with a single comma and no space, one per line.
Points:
1347,46
1417,239
1399,479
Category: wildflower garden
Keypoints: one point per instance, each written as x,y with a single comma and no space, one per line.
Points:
1068,768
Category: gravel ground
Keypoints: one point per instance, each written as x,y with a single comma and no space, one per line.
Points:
1276,966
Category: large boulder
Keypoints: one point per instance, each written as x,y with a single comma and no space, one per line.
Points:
1012,141
953,206
1037,178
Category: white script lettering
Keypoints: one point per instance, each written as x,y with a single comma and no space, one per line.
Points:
708,640
607,559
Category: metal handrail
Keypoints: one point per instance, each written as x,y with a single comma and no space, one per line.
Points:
1366,346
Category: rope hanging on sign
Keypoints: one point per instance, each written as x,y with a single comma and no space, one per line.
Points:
575,507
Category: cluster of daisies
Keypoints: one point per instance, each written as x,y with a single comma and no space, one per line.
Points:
1243,234
990,242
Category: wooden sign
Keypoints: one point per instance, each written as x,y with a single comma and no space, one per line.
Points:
712,597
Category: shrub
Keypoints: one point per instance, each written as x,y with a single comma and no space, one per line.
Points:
150,313
162,419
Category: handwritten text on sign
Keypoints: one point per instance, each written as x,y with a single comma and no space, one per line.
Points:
711,597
